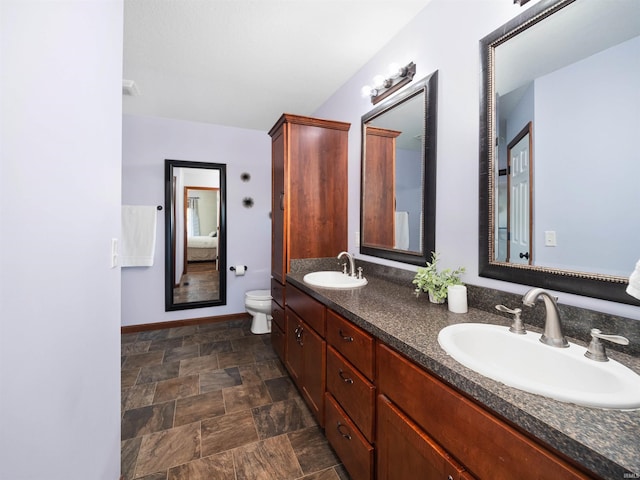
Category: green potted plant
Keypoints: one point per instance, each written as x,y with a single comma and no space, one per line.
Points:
429,279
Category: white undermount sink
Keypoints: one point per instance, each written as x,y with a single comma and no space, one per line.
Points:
523,362
333,279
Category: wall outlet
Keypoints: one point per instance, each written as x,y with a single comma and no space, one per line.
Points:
550,238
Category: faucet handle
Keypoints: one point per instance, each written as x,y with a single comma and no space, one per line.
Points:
517,326
344,268
596,350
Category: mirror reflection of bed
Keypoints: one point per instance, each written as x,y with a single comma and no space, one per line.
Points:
201,219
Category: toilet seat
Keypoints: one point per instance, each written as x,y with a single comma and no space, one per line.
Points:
259,294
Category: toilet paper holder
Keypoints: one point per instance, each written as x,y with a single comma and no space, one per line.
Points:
233,269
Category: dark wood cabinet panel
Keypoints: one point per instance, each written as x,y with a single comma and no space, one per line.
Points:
355,394
352,448
314,372
310,310
309,190
406,452
352,342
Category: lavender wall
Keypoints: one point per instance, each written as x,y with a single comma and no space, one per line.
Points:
147,142
445,37
61,74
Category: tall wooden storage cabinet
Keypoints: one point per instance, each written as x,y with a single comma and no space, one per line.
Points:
309,190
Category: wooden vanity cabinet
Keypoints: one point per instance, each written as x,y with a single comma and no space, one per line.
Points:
404,449
306,348
351,395
453,427
278,339
309,190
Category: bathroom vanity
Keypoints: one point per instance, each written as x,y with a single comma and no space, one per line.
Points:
393,403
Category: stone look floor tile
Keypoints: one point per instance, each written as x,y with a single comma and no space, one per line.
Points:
233,359
175,388
281,417
244,397
157,373
267,460
143,359
228,431
219,379
139,396
181,353
144,420
193,366
168,432
218,467
198,407
312,450
163,450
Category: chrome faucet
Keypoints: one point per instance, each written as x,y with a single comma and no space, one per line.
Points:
352,264
552,335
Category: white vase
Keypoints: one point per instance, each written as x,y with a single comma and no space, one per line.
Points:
457,298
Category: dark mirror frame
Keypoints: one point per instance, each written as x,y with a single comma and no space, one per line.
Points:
170,235
428,87
587,284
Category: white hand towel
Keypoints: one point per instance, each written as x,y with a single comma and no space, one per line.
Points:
138,235
402,230
634,282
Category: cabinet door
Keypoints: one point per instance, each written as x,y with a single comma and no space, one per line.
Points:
314,352
406,452
278,257
278,328
293,347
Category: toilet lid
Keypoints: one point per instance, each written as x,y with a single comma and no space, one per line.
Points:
259,294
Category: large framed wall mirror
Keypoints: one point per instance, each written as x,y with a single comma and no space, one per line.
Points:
559,168
398,191
195,233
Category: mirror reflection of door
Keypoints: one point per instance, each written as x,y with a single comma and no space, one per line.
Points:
201,220
379,189
519,201
195,230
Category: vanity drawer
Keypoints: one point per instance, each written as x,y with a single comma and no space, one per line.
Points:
277,314
351,341
278,341
485,445
352,448
310,310
352,391
278,292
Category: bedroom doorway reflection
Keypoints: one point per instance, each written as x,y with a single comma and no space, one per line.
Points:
195,223
201,220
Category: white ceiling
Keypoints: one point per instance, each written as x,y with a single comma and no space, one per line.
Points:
243,63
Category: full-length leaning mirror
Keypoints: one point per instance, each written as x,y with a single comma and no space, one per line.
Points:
195,233
397,209
559,168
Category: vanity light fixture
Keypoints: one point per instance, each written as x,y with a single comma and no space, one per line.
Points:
520,2
383,87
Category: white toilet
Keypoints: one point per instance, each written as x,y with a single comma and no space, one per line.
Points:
258,305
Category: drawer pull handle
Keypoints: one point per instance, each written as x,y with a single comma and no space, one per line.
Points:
344,379
298,332
346,435
346,338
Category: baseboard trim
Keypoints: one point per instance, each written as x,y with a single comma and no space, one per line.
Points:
182,323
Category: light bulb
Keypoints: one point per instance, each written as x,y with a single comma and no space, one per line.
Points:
394,70
366,91
378,81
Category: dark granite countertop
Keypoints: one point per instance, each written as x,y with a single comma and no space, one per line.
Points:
606,442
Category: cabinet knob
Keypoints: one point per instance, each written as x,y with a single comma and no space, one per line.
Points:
344,379
344,433
346,338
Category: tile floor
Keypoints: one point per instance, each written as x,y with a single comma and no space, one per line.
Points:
214,402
